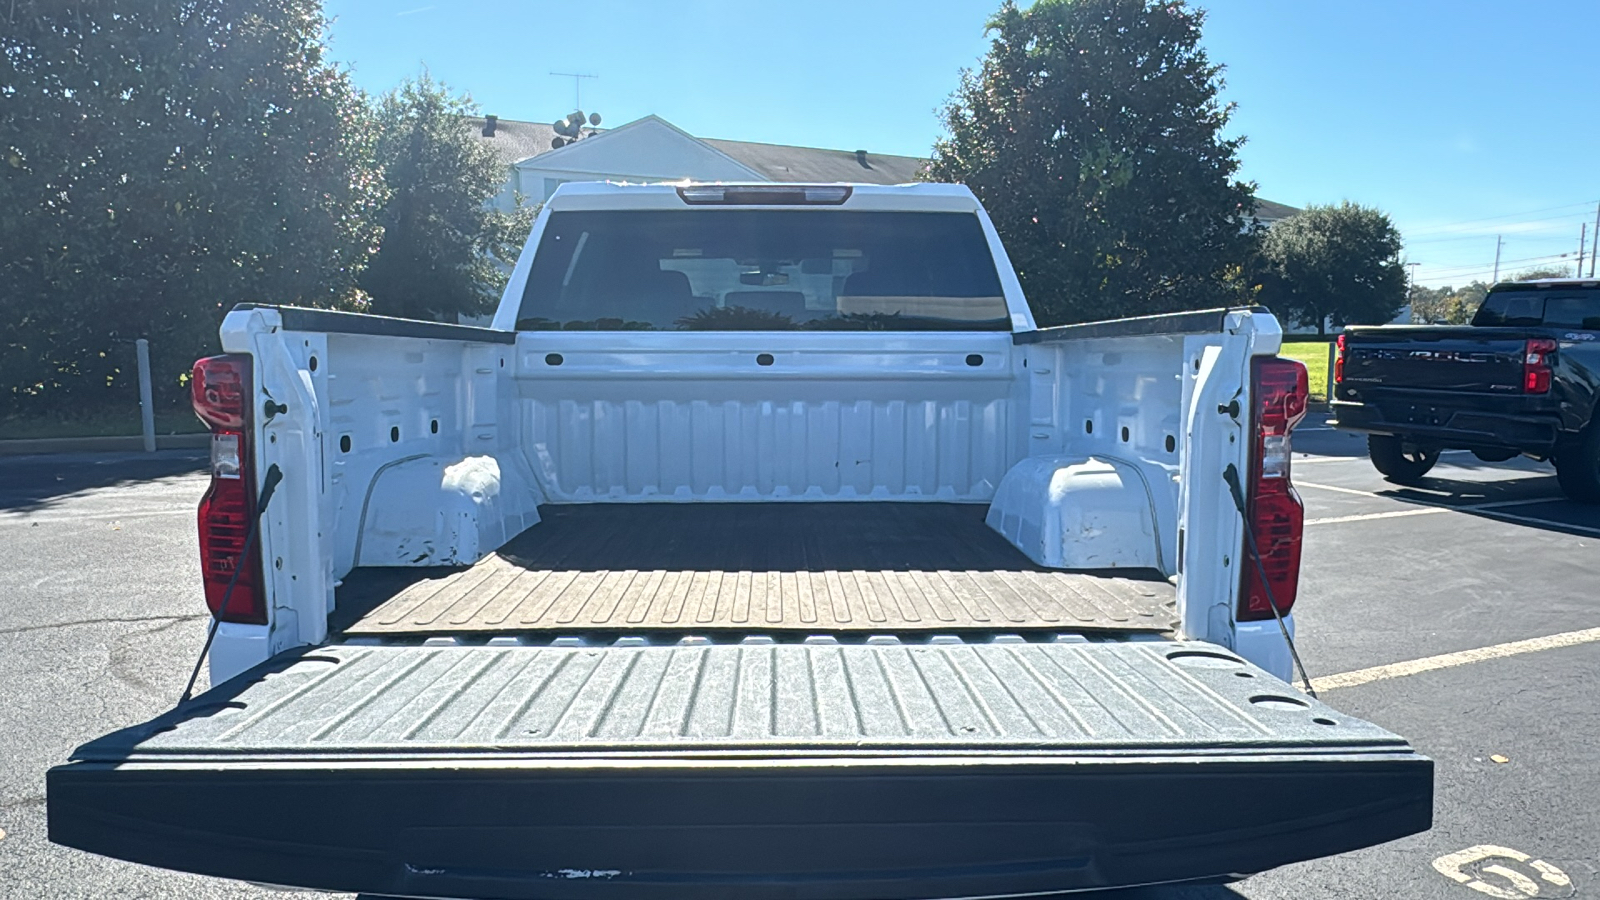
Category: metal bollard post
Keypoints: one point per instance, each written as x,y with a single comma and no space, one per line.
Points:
1333,353
147,409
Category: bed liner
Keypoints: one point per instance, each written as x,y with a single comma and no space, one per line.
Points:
789,567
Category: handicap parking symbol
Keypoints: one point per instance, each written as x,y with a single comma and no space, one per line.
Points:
1503,873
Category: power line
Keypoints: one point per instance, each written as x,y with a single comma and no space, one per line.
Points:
1462,265
1479,267
1553,222
1476,274
1449,225
1503,262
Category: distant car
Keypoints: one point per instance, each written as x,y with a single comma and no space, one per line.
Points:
1523,378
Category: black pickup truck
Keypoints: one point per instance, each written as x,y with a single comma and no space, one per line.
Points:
1523,378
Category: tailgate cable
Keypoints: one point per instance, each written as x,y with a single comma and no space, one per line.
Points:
1231,476
268,485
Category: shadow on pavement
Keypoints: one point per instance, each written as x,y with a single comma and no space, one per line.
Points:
1546,513
34,482
1169,892
1532,501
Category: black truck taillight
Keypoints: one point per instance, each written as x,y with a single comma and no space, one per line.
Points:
1338,361
1280,390
221,392
1536,372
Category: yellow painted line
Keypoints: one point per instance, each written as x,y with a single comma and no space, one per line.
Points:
1459,658
1462,865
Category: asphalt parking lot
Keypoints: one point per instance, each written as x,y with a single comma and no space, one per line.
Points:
101,618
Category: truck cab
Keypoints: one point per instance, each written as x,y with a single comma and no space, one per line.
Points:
763,547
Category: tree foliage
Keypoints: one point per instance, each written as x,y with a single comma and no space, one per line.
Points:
160,161
1333,264
444,249
1541,272
1092,133
1447,305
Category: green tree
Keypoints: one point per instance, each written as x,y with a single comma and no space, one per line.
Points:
1429,306
160,161
446,247
1092,133
1338,264
1447,305
1462,304
1541,272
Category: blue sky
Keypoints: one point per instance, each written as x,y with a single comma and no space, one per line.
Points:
1462,120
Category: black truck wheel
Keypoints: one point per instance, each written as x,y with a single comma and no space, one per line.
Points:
1578,466
1397,463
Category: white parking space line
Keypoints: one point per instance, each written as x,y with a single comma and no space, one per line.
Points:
1336,489
1395,514
1459,658
1427,508
1319,458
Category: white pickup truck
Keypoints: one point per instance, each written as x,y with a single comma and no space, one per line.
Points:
763,548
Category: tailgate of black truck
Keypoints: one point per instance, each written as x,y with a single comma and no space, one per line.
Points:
823,769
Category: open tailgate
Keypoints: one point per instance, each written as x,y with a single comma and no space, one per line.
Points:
754,770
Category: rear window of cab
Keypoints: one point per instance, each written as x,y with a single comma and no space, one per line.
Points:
1561,307
763,270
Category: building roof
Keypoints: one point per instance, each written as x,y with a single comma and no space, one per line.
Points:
515,141
1267,211
781,162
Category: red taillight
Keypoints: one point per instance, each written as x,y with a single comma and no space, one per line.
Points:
1277,518
1338,362
221,388
1536,365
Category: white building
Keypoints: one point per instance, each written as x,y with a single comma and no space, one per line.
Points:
653,149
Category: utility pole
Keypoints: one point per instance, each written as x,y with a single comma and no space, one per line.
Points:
1411,288
1497,243
577,86
1594,242
1583,241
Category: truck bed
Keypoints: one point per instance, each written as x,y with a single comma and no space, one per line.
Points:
786,567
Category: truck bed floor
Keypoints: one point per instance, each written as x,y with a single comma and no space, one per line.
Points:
808,567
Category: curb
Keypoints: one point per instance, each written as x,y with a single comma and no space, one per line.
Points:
121,443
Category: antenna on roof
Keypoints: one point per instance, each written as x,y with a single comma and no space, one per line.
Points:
577,86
